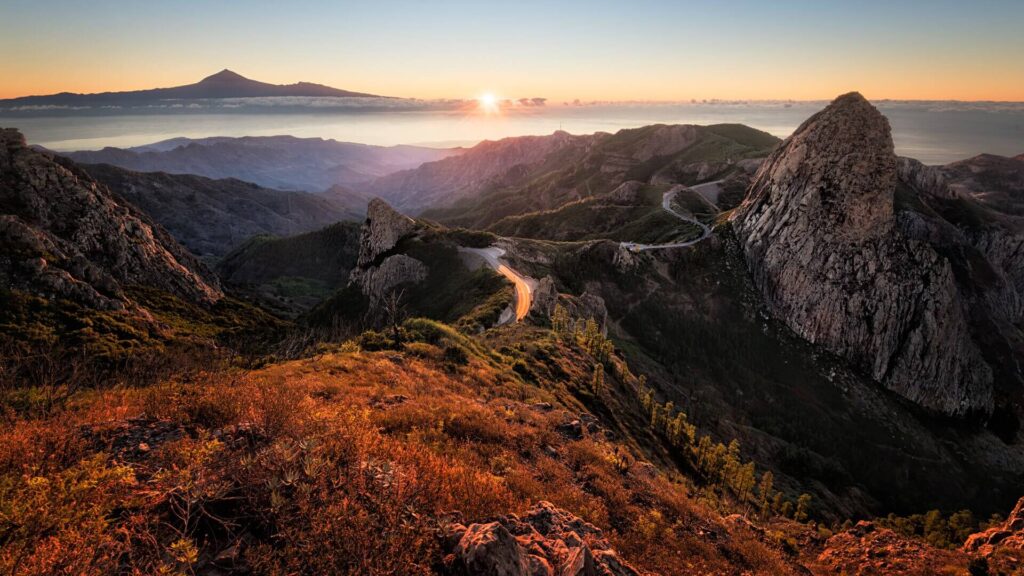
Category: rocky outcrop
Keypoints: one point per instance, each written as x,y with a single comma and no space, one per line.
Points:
383,228
65,236
1009,536
979,216
378,281
867,549
820,239
377,273
543,542
545,298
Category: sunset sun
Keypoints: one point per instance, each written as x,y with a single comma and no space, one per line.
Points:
488,103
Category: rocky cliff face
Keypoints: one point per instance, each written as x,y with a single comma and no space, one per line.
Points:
65,236
820,238
383,229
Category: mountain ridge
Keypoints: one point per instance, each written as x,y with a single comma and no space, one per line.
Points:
224,84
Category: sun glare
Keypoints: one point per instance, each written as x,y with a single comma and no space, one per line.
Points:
488,103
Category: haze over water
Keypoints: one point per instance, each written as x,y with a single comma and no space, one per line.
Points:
933,132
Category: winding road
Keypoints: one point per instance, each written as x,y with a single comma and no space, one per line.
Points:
524,284
706,189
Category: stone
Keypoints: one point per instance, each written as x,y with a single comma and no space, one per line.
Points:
544,541
491,549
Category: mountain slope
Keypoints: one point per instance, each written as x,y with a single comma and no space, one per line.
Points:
66,236
515,176
284,162
224,84
297,272
212,217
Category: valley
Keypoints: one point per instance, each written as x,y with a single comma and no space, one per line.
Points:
666,204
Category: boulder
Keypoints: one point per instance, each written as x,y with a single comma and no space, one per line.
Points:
491,549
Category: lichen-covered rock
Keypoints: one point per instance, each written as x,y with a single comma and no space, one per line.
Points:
491,549
543,542
820,238
383,228
65,236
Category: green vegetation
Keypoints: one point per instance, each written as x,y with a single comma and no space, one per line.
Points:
644,221
938,530
293,274
573,174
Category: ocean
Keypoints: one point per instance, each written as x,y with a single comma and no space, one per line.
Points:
933,132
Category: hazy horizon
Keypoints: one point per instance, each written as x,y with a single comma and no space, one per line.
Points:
606,51
934,134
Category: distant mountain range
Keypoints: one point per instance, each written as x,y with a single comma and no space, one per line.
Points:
283,162
224,84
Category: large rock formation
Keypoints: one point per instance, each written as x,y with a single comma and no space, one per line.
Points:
64,236
378,273
383,228
820,238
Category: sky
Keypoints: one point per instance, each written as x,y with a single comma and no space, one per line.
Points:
590,50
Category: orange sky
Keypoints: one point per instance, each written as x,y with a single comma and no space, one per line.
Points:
646,50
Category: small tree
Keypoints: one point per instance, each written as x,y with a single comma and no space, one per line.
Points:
803,506
764,492
561,322
597,380
394,313
786,509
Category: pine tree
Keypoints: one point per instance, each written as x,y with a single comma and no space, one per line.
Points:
764,492
777,503
731,462
656,415
597,381
718,463
803,504
704,454
743,481
561,323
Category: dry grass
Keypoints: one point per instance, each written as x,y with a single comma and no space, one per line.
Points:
346,464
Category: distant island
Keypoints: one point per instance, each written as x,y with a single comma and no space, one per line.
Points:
224,84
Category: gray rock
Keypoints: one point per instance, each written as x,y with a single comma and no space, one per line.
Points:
383,228
820,238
